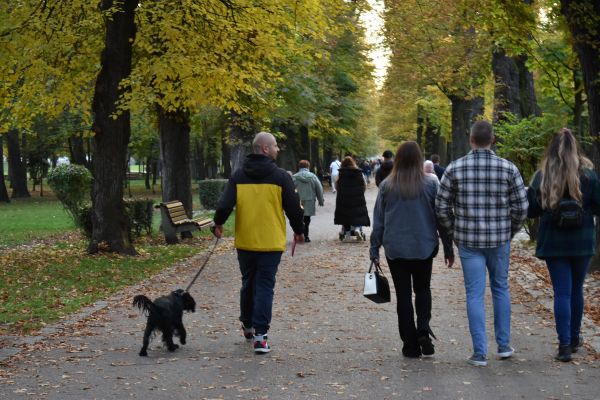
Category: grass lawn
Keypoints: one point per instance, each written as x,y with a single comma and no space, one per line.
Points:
42,282
23,220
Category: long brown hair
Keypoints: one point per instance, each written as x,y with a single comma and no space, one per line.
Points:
561,169
407,175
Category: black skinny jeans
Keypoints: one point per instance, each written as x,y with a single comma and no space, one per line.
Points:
306,224
409,275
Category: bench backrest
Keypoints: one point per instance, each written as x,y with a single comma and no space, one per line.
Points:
175,210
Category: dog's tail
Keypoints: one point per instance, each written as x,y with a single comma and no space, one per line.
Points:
143,303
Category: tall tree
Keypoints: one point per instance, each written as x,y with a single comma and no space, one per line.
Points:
444,50
583,19
112,130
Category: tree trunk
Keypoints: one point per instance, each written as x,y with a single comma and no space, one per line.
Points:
16,166
147,174
506,86
199,161
315,162
225,154
420,125
77,151
304,150
110,224
176,179
578,104
580,16
461,124
3,192
431,140
240,139
327,154
527,101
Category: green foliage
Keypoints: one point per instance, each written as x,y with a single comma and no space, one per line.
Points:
71,185
210,191
140,213
523,142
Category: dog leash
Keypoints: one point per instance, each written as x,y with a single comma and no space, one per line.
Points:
187,289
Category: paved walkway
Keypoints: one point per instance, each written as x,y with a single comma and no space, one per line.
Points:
328,341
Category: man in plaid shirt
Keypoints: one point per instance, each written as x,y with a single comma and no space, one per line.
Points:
482,203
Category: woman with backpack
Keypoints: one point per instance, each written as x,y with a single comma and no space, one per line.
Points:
565,194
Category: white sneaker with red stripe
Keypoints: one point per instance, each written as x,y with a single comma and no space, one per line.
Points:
261,345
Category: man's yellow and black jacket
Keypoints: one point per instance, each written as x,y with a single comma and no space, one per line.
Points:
261,192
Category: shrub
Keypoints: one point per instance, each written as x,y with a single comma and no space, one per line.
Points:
210,191
83,219
71,185
140,213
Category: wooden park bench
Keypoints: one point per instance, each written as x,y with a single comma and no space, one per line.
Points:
174,220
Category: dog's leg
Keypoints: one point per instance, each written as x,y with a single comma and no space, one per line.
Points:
168,339
147,333
181,332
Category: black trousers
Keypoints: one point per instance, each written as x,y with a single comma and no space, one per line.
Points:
306,224
409,276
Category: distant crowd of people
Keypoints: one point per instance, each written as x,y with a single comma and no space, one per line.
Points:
478,203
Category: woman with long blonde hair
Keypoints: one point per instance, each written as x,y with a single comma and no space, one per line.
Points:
565,194
405,224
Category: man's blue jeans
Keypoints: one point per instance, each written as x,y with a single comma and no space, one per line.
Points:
258,282
474,262
568,274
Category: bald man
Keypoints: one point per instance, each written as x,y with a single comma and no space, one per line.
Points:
261,192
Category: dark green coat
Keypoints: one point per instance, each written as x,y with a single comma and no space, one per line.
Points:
555,242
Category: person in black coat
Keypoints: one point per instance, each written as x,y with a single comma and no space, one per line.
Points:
350,203
439,170
386,167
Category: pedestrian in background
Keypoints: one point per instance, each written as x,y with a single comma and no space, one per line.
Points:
310,190
438,169
429,170
483,204
334,169
366,169
386,167
261,192
565,174
405,224
350,204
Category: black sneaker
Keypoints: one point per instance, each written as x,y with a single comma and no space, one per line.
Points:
411,352
425,343
427,347
261,346
306,240
564,353
576,344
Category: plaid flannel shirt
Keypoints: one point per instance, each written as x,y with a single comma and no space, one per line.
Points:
482,200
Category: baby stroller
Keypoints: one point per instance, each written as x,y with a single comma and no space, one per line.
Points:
355,234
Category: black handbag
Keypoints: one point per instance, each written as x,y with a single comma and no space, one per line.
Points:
376,287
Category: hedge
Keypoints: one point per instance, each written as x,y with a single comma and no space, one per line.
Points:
210,192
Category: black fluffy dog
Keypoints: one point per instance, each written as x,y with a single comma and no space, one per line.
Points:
165,314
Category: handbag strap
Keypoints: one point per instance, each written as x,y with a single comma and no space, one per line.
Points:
377,267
